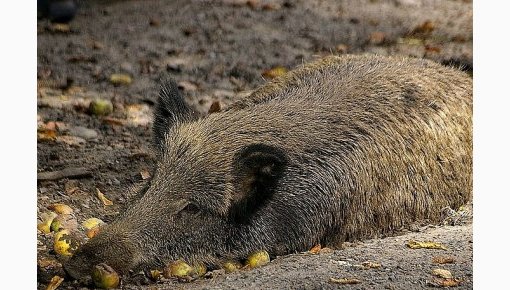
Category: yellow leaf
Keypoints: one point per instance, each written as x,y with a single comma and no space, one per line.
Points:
120,79
103,198
61,208
424,245
442,273
425,28
54,283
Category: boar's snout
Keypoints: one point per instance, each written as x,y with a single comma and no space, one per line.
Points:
117,251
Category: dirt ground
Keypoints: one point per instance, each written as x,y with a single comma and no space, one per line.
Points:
218,51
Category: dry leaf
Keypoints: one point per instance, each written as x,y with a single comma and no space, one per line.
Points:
432,49
274,72
326,250
442,273
71,186
120,79
450,282
315,249
410,41
54,283
424,28
344,281
440,282
103,198
370,265
60,208
45,134
215,107
271,7
377,37
114,121
459,38
139,114
443,260
252,3
48,263
60,27
424,245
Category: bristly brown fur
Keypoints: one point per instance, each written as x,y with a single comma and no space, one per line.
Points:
344,148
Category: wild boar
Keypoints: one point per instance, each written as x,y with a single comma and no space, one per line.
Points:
345,148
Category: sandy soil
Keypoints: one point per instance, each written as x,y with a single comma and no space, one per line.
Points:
217,51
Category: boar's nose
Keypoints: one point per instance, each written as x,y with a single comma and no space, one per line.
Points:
78,269
117,251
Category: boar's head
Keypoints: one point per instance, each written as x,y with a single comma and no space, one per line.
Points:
197,206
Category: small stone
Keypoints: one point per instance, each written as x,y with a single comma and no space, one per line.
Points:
85,133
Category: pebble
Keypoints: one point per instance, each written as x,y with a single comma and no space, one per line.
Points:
85,133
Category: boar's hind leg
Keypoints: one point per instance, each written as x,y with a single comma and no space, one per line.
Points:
170,109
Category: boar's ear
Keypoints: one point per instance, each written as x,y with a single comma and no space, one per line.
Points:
257,170
170,109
